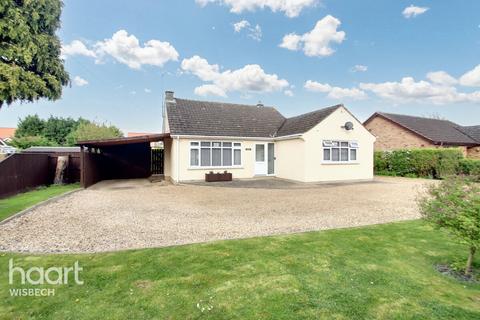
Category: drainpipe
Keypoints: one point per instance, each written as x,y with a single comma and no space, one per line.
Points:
178,159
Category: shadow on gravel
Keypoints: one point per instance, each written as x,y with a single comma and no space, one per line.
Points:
274,183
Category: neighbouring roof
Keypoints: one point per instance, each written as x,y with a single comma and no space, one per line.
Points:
204,118
434,130
52,149
125,140
472,131
304,122
138,134
7,133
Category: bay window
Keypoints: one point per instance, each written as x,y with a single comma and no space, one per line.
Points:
339,151
215,154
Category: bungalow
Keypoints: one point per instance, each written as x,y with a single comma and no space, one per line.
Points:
255,140
396,131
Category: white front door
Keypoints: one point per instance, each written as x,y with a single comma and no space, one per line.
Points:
260,160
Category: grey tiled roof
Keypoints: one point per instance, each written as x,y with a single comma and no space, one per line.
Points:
192,117
304,122
435,130
472,131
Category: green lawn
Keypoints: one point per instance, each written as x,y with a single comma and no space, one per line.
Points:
379,272
12,205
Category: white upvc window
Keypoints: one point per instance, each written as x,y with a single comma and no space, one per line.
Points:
337,151
215,154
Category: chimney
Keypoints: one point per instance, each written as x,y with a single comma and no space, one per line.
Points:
169,97
260,104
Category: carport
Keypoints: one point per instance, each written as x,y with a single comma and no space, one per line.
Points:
120,158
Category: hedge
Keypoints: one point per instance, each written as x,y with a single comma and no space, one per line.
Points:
425,163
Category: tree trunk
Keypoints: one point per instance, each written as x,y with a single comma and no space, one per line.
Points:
62,164
468,269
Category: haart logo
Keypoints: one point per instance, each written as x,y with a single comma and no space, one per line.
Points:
37,276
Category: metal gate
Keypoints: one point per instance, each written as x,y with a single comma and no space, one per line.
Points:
157,161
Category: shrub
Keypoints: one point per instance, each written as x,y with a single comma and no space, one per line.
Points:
454,205
470,167
380,161
427,163
400,161
31,141
448,163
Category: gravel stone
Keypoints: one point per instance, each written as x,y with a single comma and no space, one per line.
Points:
132,214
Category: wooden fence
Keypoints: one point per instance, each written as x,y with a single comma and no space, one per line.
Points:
23,171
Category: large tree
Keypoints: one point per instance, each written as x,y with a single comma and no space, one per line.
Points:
30,63
31,125
57,129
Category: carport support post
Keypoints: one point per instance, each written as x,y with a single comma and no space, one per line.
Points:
82,166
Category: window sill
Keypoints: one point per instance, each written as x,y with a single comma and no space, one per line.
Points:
214,168
340,163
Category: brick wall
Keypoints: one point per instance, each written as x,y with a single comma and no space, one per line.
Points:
391,136
473,153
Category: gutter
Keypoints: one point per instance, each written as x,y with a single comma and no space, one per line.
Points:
292,136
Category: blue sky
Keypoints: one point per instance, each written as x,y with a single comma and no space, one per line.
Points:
411,57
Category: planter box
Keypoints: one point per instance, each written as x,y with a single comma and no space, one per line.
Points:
214,177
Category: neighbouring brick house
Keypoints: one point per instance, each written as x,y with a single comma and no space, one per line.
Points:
395,131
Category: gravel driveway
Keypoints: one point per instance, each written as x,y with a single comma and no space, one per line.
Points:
118,215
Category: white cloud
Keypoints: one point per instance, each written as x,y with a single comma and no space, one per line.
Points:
126,49
250,78
471,78
288,93
76,47
316,42
409,90
291,8
210,90
201,68
79,81
438,88
413,11
147,90
441,78
359,68
241,25
335,92
291,41
253,32
256,33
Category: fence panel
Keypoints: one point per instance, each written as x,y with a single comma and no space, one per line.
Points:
23,171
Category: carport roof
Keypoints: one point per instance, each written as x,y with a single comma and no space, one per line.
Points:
123,140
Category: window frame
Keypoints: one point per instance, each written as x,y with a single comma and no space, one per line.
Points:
224,145
330,144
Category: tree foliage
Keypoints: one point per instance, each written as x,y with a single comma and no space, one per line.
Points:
454,205
30,63
30,126
31,141
87,130
56,131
